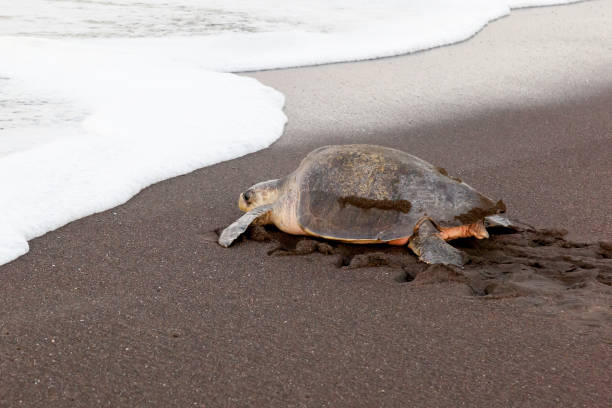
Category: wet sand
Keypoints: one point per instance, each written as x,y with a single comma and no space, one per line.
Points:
137,307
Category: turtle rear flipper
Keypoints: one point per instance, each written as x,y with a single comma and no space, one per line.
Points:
232,232
500,220
432,249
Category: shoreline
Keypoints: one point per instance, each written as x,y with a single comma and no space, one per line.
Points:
135,306
249,72
441,101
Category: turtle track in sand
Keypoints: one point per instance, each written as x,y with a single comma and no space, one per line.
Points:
540,268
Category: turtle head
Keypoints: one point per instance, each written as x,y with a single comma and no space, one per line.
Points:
259,194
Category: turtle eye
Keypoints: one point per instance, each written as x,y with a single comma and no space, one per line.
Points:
247,195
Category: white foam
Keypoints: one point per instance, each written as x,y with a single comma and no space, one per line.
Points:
147,119
90,117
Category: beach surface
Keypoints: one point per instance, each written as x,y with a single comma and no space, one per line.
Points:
138,306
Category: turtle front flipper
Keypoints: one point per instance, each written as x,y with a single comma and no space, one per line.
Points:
232,232
432,249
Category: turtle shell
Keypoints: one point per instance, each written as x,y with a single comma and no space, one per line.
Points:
365,192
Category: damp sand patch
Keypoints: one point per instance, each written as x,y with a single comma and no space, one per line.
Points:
540,268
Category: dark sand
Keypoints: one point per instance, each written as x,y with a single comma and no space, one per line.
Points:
136,307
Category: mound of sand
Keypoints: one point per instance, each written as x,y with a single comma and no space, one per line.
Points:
572,280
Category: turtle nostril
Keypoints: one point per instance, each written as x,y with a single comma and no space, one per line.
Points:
247,195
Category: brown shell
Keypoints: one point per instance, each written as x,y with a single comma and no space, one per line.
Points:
365,192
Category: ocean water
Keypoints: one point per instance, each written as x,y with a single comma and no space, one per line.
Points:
101,98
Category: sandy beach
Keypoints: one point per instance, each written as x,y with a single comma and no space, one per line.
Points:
136,306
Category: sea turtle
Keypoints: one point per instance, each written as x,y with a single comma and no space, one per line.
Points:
367,194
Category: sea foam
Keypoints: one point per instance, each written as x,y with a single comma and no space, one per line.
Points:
100,100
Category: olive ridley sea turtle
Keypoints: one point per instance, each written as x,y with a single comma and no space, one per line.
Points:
366,194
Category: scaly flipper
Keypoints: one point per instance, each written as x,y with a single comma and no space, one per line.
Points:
432,249
232,232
